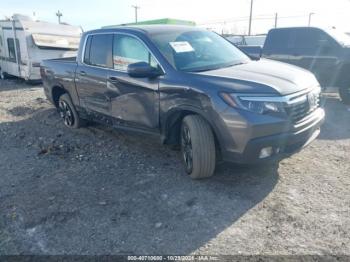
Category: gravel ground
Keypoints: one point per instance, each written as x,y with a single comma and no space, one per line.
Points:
100,191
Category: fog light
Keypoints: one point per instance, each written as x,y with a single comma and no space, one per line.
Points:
266,152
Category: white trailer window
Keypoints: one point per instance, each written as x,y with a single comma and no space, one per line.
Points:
56,41
12,50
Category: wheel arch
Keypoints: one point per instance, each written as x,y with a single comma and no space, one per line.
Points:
344,76
56,92
171,126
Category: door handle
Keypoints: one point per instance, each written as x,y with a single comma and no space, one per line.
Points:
82,73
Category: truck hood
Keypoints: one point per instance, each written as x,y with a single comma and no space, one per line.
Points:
263,76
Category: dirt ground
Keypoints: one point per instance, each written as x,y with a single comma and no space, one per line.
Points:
100,191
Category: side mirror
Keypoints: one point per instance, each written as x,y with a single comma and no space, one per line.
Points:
255,57
254,52
142,69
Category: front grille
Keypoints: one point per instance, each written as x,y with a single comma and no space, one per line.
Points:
301,110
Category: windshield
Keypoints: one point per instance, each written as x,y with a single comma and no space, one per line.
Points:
341,37
195,51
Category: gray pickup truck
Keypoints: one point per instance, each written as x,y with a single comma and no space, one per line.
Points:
189,87
326,53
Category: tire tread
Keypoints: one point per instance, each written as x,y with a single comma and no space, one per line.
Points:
203,143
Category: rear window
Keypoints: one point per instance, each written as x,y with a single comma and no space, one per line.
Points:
305,39
98,50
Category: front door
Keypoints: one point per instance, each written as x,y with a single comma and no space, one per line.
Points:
133,101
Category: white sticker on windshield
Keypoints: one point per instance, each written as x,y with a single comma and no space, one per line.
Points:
181,47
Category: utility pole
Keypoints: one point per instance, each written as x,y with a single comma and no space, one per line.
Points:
310,16
250,17
276,19
136,8
59,15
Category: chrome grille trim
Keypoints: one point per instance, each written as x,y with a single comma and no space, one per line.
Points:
297,105
288,99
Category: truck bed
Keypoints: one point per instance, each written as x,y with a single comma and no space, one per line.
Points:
59,72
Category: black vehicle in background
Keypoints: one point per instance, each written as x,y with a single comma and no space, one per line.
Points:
326,53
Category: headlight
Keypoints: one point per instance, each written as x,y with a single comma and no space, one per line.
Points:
255,104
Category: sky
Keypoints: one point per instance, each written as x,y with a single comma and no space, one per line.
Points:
227,16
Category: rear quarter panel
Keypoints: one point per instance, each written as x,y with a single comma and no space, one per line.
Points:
60,73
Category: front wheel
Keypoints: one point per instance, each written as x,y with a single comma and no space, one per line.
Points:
198,147
344,93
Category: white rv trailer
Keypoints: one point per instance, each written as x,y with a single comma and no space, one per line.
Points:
34,42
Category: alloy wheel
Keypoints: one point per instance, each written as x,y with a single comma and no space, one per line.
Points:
66,113
187,151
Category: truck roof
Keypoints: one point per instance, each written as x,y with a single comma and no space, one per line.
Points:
296,27
326,29
146,29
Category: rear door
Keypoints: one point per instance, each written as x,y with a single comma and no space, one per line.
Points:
133,101
92,73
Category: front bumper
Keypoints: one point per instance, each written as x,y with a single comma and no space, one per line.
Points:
283,144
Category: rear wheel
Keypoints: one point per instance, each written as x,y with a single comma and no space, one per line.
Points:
344,93
68,112
197,147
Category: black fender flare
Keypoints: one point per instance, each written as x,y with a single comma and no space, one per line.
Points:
173,115
57,86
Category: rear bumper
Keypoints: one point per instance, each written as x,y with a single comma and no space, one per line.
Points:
283,144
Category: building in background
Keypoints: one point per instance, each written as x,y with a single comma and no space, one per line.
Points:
167,21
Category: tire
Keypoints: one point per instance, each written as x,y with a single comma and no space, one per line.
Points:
3,75
68,112
344,93
197,147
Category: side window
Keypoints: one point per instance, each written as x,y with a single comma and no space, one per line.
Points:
312,41
99,49
308,38
11,49
128,50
